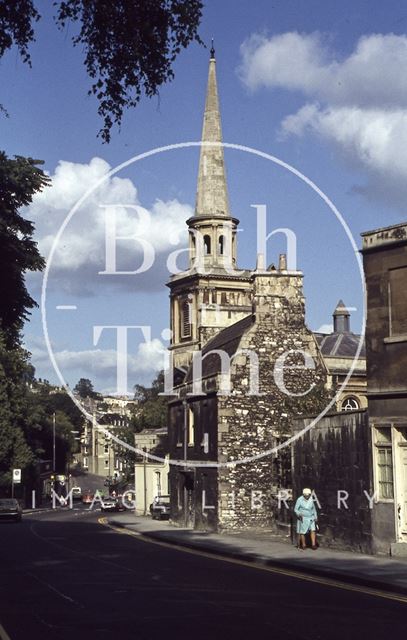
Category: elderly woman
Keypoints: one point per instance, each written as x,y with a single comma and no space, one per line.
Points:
306,519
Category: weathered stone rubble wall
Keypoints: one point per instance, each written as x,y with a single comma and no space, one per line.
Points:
250,425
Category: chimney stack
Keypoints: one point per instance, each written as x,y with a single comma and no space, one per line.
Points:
341,318
282,262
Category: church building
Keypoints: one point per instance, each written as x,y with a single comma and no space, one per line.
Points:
245,362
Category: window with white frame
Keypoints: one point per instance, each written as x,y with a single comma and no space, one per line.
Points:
384,463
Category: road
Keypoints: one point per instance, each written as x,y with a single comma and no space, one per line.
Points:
64,575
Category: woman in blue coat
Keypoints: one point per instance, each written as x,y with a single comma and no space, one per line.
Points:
306,518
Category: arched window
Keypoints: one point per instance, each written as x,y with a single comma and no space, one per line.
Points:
350,404
207,245
221,245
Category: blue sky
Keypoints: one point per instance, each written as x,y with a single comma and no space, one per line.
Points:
320,85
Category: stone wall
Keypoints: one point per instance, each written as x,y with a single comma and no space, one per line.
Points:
249,426
335,455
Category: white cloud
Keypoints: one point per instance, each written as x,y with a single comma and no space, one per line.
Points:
80,254
325,328
100,365
378,138
289,60
359,103
375,73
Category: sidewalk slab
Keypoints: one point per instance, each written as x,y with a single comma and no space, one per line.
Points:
385,573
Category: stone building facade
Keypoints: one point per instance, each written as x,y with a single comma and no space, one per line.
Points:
246,363
385,264
364,453
344,351
150,474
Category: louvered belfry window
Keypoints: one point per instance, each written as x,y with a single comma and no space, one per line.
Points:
185,318
398,301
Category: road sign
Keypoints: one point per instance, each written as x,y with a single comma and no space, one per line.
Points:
16,476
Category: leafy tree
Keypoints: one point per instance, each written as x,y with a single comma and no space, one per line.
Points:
84,389
16,26
20,179
14,450
151,411
129,47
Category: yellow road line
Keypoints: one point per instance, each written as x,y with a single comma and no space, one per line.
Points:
3,633
329,582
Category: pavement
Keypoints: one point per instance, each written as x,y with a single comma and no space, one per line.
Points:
264,548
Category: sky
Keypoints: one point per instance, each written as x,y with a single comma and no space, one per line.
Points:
321,86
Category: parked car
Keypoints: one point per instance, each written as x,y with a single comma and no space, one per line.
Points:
76,493
160,508
109,504
120,504
87,497
10,509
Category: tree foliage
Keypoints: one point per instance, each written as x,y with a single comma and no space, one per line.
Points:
26,419
14,449
84,389
151,411
20,179
16,26
129,46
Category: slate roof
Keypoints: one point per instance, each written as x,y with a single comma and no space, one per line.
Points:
340,345
227,340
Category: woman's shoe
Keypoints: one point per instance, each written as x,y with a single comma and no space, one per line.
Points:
314,547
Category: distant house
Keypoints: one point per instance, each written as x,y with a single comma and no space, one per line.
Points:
150,473
99,453
339,350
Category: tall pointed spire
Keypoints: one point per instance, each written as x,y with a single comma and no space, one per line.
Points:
212,194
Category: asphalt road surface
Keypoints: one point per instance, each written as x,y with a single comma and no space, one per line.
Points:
64,575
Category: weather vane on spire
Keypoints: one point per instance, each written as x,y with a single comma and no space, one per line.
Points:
212,50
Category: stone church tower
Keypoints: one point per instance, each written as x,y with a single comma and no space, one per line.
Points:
227,425
212,294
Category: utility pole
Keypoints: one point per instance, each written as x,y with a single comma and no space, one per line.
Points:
53,442
145,479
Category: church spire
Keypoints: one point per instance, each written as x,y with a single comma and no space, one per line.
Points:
212,195
212,51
